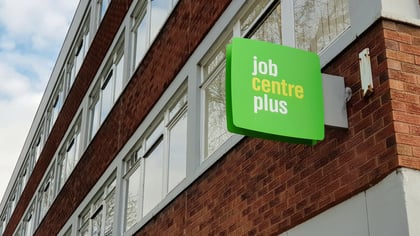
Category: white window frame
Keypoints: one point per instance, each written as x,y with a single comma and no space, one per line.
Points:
73,140
108,77
156,134
98,205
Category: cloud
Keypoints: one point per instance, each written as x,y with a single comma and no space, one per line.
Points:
31,35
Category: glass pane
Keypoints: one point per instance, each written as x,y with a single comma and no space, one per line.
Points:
62,170
270,29
154,136
106,99
215,61
29,225
68,232
79,56
104,7
133,199
119,79
71,75
178,152
84,231
110,212
159,12
249,18
95,121
319,22
140,40
70,158
97,224
76,147
177,107
153,179
215,116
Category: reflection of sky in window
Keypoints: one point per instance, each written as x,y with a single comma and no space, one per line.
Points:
178,152
107,100
153,180
141,40
119,77
160,10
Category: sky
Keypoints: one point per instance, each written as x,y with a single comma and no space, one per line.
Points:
31,36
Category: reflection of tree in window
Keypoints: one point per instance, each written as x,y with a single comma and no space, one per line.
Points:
133,192
97,222
319,22
110,209
216,112
250,17
270,29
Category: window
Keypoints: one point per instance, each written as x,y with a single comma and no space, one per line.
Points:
29,222
177,129
94,112
68,232
214,101
3,222
133,179
69,155
24,175
140,35
78,53
319,22
38,144
159,12
270,29
148,18
107,90
12,201
158,163
153,170
46,194
56,104
102,6
98,217
213,88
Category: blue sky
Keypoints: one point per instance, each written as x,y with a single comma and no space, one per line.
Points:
31,35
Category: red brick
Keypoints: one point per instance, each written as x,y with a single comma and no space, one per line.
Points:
391,25
408,139
403,76
401,127
407,118
396,84
398,36
404,96
416,151
394,64
404,149
415,130
410,49
399,56
392,44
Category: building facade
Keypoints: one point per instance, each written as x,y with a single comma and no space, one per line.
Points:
130,136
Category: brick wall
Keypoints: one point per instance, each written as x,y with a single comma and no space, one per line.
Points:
260,186
264,187
403,56
177,40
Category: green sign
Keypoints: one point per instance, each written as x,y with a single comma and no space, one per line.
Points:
274,92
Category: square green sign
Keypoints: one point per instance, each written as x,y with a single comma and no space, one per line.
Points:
274,92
